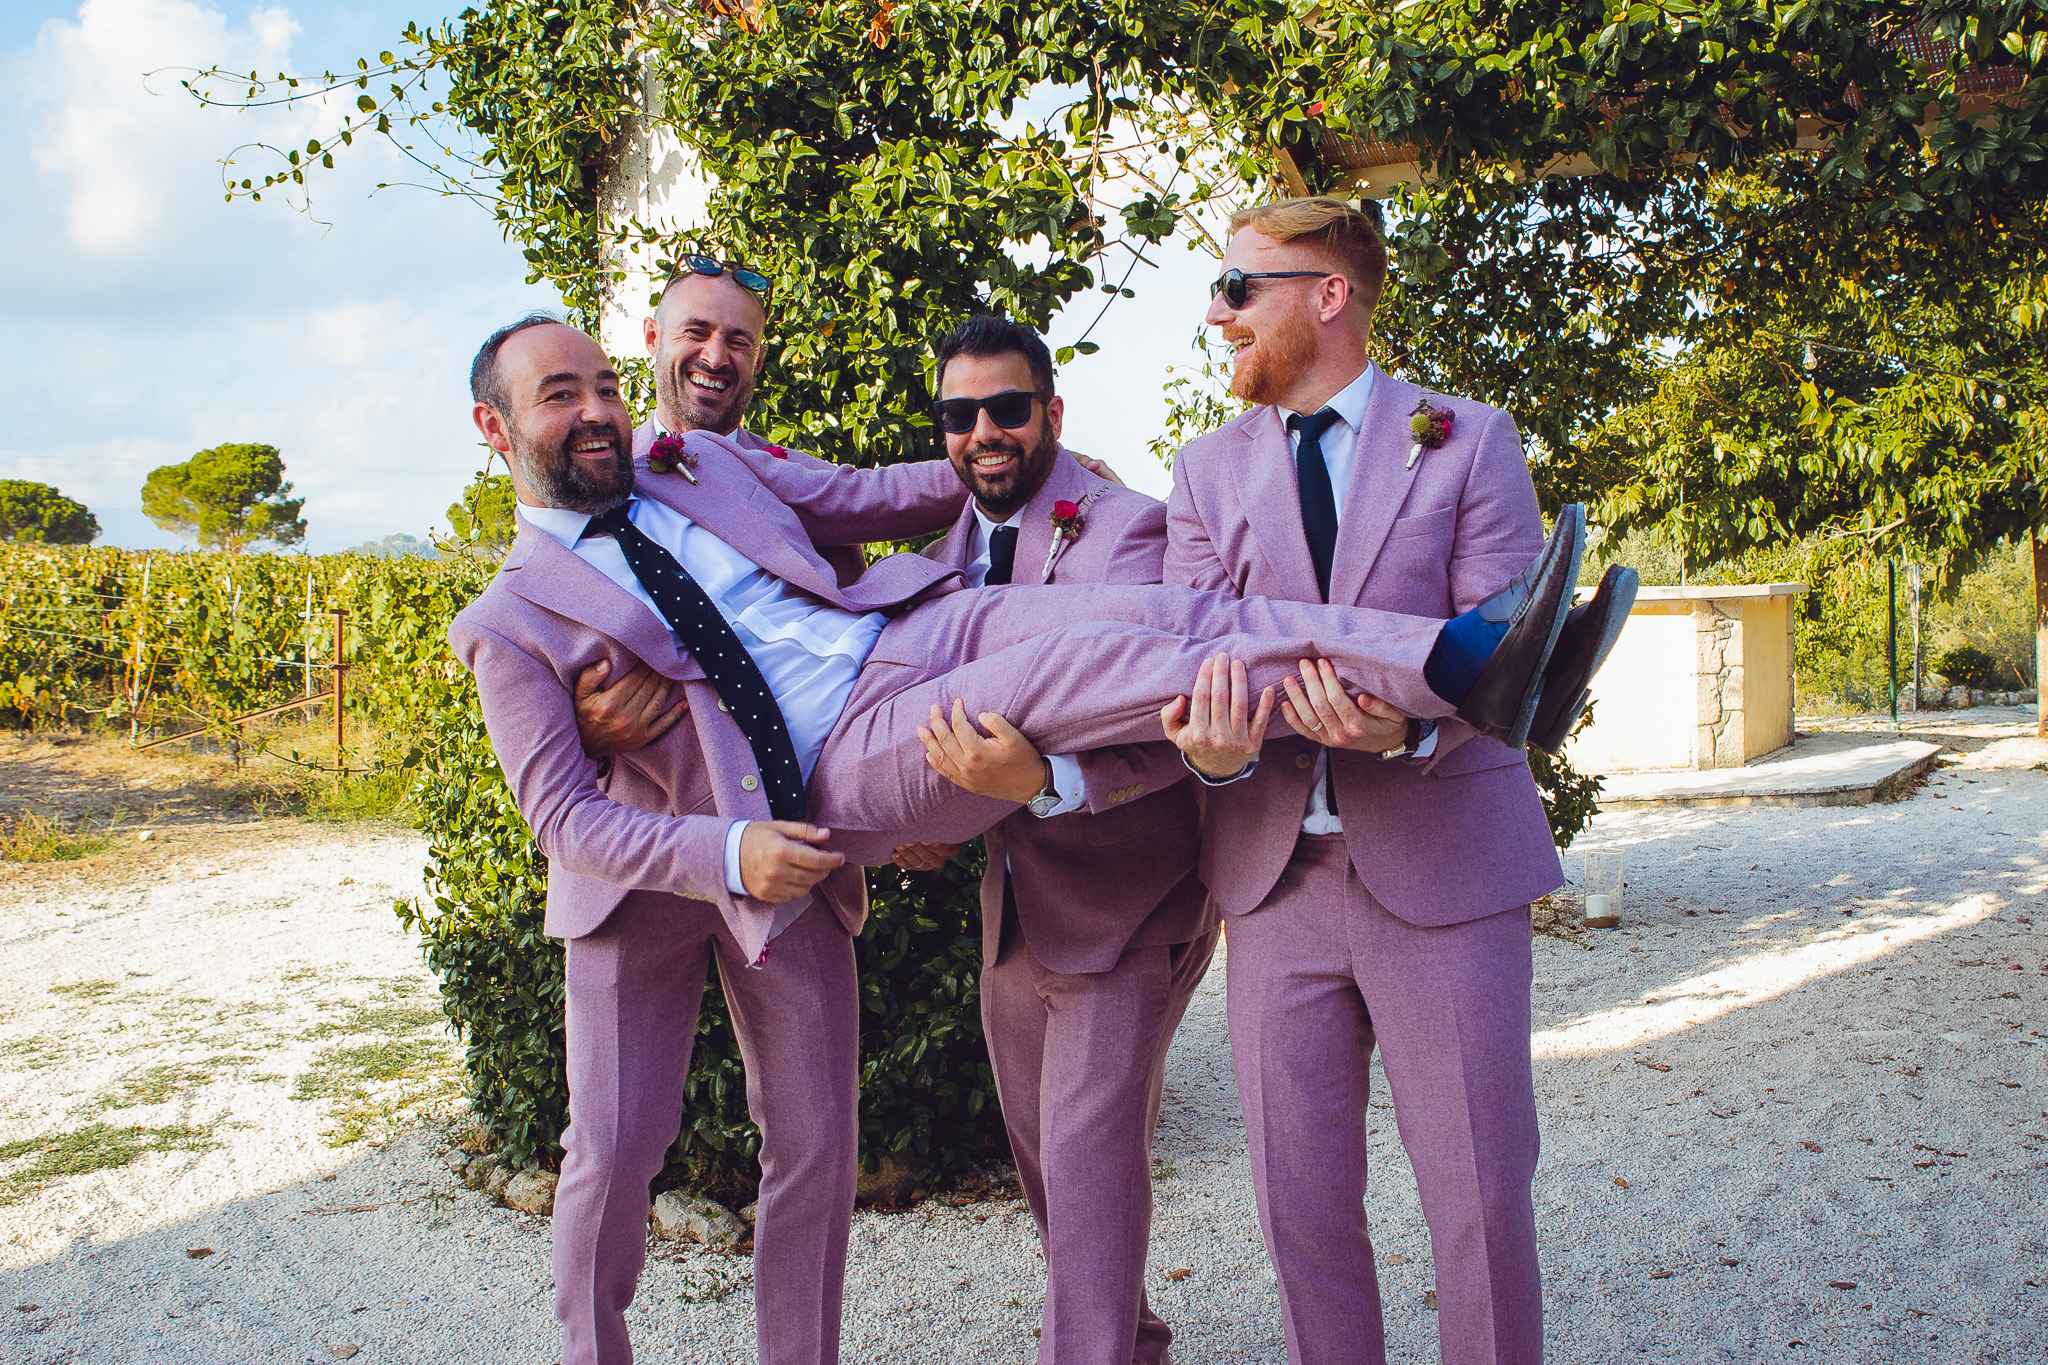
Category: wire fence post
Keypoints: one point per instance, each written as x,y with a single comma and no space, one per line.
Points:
340,694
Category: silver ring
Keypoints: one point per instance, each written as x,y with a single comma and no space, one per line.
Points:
1317,726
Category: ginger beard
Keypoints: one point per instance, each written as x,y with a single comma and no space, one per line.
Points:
1279,354
559,477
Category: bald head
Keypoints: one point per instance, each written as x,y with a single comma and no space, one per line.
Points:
706,340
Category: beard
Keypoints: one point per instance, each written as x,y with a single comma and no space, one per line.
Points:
561,478
1005,493
685,407
1280,355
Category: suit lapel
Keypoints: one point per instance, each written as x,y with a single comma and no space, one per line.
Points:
1262,467
953,551
540,570
1380,480
1034,529
728,501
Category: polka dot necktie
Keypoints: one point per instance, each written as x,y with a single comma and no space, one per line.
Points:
710,639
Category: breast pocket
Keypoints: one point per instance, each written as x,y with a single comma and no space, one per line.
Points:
1439,523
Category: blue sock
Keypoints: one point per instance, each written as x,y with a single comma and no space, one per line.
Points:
1462,648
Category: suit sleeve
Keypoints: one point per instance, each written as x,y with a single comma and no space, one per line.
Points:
1500,529
532,723
841,505
1139,558
1191,558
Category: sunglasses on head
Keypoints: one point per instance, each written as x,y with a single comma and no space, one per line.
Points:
1008,410
1234,284
744,275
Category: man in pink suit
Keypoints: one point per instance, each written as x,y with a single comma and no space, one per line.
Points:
1094,924
805,701
1375,876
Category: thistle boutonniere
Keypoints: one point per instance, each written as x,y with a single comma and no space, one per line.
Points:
1431,427
1066,528
672,455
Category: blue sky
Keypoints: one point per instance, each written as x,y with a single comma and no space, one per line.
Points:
152,319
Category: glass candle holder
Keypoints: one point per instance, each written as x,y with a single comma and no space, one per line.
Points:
1603,889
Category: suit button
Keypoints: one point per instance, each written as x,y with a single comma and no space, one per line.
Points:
749,782
1304,760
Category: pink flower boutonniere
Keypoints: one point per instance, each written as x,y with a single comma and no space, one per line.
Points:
779,452
672,455
1431,427
1066,528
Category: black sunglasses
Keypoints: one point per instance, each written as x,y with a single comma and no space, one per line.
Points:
1008,410
1232,283
744,275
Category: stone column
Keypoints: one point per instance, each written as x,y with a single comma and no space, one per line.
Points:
1718,679
656,184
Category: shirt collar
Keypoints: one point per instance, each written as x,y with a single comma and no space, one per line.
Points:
1016,519
559,524
1349,401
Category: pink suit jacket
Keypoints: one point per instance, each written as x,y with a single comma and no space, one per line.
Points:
1094,882
1455,837
658,821
848,561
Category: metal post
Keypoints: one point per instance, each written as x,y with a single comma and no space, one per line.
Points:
340,693
1919,655
135,679
1891,638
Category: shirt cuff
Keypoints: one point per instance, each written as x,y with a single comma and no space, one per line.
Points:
1068,781
1240,775
733,834
1428,745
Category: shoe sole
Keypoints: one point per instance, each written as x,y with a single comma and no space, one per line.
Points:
1620,584
1574,543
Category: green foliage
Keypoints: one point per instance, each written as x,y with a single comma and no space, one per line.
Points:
226,498
1967,666
36,511
1570,798
484,515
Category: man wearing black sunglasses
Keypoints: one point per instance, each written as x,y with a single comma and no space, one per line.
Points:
1376,879
1094,924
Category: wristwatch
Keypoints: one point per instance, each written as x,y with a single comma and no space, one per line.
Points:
1418,730
1048,799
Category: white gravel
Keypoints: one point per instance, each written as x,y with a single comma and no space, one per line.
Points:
1814,1054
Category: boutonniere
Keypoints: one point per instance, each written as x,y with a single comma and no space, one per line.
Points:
1431,427
672,455
779,452
1066,528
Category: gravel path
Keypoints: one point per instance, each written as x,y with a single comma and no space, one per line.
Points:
1812,1058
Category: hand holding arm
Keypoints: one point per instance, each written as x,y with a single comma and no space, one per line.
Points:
923,857
778,861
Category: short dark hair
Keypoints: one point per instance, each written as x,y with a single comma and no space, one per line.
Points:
985,335
484,386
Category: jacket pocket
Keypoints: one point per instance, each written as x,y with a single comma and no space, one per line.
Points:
1423,524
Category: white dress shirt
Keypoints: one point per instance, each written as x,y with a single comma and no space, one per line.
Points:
1340,454
809,652
1066,773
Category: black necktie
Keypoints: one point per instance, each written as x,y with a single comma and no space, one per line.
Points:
710,639
1318,502
1002,554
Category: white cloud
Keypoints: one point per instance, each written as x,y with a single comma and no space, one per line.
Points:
153,319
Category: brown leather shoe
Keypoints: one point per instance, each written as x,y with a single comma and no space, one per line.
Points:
1583,644
1502,702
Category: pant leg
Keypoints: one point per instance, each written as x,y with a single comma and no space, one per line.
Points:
1301,1043
1187,964
797,1017
1070,688
633,991
1079,1062
1450,1006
